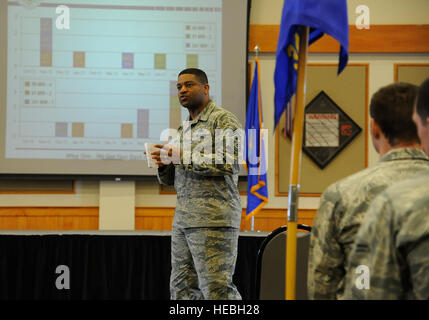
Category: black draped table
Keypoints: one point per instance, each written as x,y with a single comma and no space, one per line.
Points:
102,264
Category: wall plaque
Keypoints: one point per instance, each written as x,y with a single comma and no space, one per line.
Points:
327,130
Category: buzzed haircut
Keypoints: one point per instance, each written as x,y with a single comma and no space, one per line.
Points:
200,74
422,103
392,108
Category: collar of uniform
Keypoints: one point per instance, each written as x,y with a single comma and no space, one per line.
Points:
404,153
205,113
203,116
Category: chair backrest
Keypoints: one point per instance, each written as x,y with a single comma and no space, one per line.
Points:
271,261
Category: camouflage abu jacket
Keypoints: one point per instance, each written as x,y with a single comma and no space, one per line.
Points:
342,208
393,243
207,192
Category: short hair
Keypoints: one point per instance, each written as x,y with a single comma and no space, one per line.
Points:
200,74
392,108
422,103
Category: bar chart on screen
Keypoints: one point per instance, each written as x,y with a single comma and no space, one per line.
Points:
106,85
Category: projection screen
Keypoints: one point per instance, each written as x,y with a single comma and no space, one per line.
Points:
85,83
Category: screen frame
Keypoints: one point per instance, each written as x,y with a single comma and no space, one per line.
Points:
89,176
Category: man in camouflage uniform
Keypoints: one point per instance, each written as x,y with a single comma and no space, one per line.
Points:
208,209
393,241
344,204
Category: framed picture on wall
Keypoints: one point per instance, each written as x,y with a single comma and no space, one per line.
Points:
327,130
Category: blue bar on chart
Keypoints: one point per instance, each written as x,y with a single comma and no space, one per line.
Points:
143,123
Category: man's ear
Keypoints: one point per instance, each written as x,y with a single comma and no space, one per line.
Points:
375,129
206,89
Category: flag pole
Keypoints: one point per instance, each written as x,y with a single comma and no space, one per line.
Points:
252,222
298,126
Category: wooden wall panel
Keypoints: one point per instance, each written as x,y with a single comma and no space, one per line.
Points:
378,39
270,219
83,218
154,218
266,220
47,218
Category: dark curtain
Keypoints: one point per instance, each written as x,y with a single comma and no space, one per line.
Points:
101,266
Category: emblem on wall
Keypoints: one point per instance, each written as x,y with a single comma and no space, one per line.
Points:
327,130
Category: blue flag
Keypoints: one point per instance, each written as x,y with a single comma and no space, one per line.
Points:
322,16
257,188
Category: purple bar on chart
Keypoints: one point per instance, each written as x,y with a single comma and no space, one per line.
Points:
127,60
61,129
45,42
173,88
143,123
